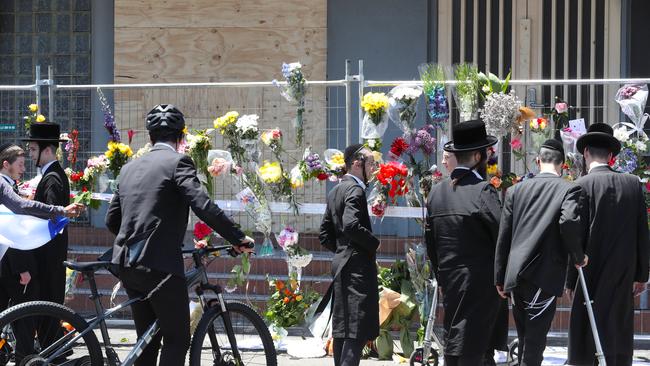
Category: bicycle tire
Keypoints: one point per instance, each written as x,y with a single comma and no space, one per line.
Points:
62,313
213,314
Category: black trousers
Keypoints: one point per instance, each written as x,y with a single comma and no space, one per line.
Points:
465,360
13,293
169,304
533,311
347,351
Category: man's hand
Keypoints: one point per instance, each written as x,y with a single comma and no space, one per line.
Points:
244,246
73,210
25,277
501,292
638,288
584,262
569,293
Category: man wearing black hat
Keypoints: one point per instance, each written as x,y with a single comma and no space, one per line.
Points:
53,189
618,248
540,228
463,214
347,232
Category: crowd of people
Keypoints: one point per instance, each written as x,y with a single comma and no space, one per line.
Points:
484,251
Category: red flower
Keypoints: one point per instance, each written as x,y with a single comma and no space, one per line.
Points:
276,134
322,176
612,161
84,189
398,147
130,133
201,230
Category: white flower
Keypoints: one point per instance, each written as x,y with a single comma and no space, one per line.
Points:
621,134
641,146
247,123
294,66
64,136
407,93
499,113
371,143
486,89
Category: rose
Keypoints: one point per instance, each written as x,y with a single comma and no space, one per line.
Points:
218,167
33,108
40,118
516,144
202,230
561,107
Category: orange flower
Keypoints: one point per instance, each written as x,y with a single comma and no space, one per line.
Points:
287,292
496,182
279,285
285,300
299,297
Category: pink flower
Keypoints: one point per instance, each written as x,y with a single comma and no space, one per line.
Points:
218,167
516,144
130,133
561,107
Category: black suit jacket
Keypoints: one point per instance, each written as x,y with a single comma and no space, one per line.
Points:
346,231
149,211
540,225
53,189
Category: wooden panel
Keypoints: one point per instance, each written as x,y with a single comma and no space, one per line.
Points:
220,13
215,54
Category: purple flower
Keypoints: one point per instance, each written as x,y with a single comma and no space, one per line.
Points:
437,107
109,119
422,141
626,161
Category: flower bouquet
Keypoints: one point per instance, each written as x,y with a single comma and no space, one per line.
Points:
420,273
297,257
287,306
433,77
33,117
335,163
294,92
632,98
202,235
560,114
375,121
500,112
273,140
220,162
466,91
402,104
311,166
630,159
539,131
84,181
117,154
198,145
260,212
391,182
247,130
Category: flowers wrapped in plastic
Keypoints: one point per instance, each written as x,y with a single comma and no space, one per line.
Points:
221,162
500,112
375,121
198,145
466,91
311,166
279,183
403,101
420,271
632,98
297,257
391,182
294,92
117,154
433,77
335,163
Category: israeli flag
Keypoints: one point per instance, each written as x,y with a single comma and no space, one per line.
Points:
26,232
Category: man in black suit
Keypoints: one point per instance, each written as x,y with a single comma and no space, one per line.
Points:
53,189
148,215
618,249
540,228
346,231
463,214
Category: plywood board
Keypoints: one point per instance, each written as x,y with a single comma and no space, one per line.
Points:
216,54
221,13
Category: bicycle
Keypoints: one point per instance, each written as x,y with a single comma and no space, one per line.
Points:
427,355
218,330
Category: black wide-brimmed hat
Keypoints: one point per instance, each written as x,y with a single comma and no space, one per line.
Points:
599,135
469,136
44,132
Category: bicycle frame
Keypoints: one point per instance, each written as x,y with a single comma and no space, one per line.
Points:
196,277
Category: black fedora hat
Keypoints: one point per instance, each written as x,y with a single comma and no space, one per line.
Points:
599,135
469,136
44,132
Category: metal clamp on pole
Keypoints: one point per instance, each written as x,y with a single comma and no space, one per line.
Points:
592,320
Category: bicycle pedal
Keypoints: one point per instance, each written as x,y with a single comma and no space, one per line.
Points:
113,359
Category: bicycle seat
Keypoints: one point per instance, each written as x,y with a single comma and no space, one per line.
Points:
87,266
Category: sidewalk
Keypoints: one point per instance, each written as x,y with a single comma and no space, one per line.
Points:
123,340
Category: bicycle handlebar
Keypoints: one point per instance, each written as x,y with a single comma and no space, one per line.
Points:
207,250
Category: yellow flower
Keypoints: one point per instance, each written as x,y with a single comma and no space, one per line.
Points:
226,120
299,297
337,159
374,103
40,118
185,130
492,169
33,108
108,154
378,157
271,172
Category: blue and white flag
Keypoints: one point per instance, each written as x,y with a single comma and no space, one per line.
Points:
26,232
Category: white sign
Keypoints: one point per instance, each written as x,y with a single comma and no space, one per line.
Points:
578,126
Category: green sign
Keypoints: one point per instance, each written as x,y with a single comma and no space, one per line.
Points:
7,127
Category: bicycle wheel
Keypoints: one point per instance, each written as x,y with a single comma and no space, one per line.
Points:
417,358
37,330
210,341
